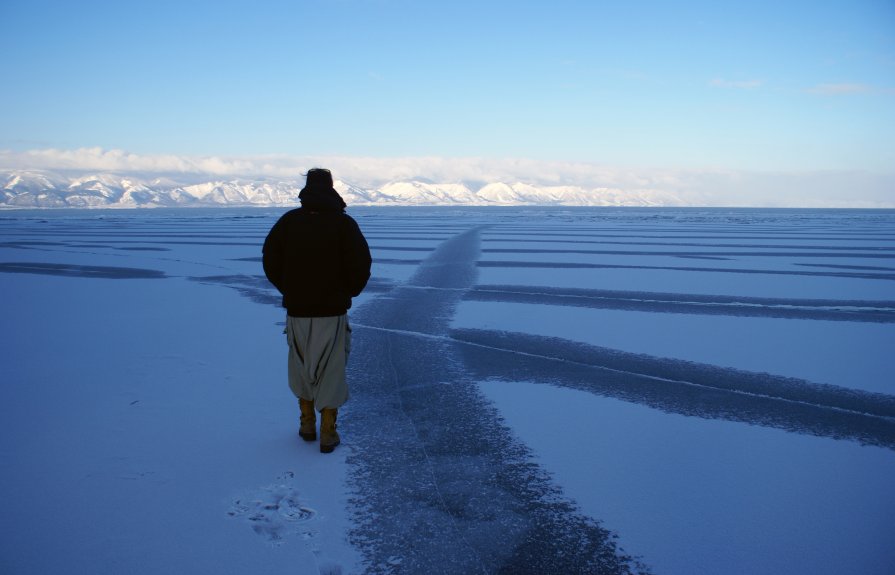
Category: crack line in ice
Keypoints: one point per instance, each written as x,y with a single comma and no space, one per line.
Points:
616,370
732,303
579,265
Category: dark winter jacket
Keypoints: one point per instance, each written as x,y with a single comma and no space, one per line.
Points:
317,257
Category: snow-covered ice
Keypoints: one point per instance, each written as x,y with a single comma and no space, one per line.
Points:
533,391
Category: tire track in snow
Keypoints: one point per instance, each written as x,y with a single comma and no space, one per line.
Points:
439,485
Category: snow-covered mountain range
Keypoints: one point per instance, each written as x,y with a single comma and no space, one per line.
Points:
41,189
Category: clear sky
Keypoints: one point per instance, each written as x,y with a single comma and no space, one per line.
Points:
789,86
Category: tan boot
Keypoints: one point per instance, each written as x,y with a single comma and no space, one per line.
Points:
329,437
308,428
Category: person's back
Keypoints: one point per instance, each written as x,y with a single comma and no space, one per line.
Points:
318,259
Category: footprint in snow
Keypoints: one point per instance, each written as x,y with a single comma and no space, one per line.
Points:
275,512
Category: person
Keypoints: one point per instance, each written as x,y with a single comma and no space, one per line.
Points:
318,259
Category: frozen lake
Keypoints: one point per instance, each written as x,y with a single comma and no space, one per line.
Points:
534,390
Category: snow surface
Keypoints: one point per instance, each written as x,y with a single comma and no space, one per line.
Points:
503,403
699,496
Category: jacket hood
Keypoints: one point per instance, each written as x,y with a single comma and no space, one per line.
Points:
321,199
319,193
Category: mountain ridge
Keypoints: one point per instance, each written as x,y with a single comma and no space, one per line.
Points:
44,189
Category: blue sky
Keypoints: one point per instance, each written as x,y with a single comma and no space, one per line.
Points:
768,86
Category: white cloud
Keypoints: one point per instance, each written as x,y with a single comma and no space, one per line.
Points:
364,171
119,161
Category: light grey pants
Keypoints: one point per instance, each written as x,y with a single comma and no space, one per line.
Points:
318,353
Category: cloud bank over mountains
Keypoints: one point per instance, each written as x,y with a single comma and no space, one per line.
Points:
94,177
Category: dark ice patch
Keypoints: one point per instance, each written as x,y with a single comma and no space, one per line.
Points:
684,387
401,249
393,261
580,265
657,302
463,494
766,246
29,244
71,270
254,287
200,243
142,249
849,267
415,238
692,254
703,258
499,236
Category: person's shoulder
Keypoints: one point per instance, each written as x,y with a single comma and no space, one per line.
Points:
350,222
289,216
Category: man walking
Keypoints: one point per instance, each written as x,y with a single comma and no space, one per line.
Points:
318,259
